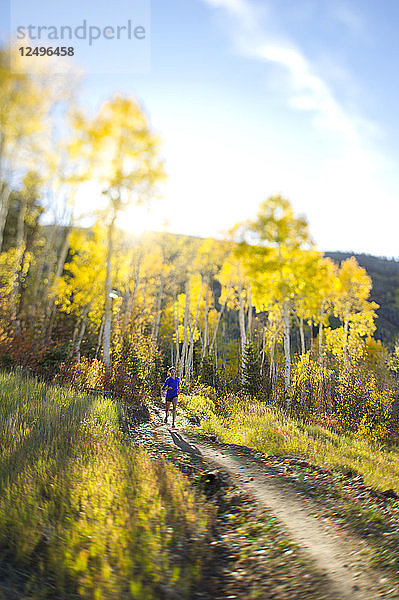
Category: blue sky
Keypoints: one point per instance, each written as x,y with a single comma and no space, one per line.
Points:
252,98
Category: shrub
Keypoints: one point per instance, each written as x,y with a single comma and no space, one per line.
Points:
84,374
347,395
53,358
360,403
199,404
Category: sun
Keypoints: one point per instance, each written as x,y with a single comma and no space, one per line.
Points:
140,219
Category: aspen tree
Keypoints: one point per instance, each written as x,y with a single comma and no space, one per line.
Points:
209,256
317,283
119,153
271,245
78,290
351,302
235,285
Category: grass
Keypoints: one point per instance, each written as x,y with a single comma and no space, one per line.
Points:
83,514
271,431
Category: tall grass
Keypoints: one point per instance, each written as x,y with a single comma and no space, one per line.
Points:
83,515
270,430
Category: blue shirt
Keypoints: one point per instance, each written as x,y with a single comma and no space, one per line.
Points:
171,386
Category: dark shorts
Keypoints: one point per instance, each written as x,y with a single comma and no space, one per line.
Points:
174,399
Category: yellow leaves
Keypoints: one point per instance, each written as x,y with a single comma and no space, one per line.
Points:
117,150
277,227
233,272
210,254
26,101
354,284
7,270
307,369
334,340
336,284
84,278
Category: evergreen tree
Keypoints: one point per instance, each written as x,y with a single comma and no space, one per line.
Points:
208,371
251,377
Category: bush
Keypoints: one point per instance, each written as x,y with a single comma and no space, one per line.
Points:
136,371
53,358
84,374
360,404
348,396
199,404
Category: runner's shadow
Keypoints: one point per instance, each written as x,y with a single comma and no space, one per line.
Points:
182,444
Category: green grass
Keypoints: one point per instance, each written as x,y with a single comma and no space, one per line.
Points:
271,431
82,513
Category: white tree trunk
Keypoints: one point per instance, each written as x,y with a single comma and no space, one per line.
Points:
63,254
41,267
287,354
302,334
321,329
155,334
100,337
75,332
191,347
320,337
249,325
176,320
346,327
4,205
217,326
311,335
205,340
50,305
19,261
188,361
272,366
263,349
182,362
141,318
241,318
131,301
108,299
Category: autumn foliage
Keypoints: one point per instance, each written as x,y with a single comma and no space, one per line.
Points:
262,313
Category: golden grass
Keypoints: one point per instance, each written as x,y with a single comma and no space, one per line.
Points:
83,515
271,431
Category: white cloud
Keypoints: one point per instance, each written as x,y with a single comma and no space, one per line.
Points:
346,15
348,181
238,7
308,91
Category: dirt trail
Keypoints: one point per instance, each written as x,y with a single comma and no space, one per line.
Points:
334,553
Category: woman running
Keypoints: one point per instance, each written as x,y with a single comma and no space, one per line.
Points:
172,386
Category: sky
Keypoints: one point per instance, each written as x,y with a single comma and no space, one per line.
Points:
258,97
